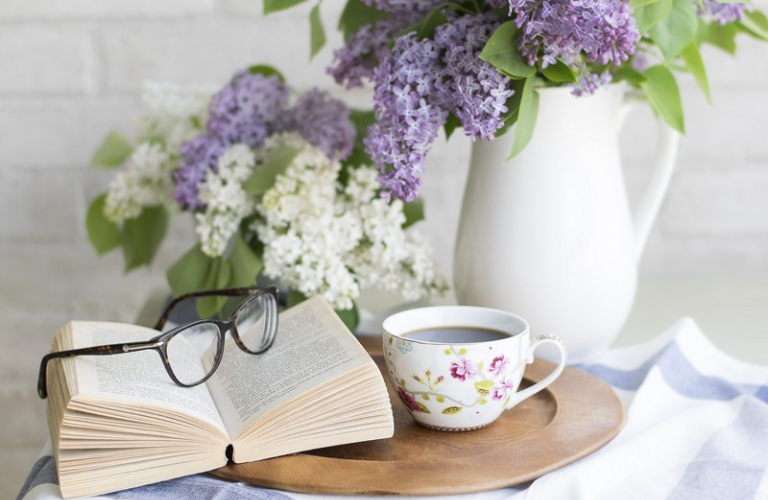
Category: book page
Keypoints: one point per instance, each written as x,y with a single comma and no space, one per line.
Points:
140,376
312,346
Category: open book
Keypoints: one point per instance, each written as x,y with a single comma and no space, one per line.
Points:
119,421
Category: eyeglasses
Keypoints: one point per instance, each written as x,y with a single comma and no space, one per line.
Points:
253,325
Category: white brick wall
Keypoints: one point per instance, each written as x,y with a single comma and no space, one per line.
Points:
70,71
38,60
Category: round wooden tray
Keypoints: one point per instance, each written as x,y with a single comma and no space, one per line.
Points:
573,417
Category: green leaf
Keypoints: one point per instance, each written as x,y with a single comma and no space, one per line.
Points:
451,410
482,401
414,212
451,124
361,119
677,30
430,23
316,31
484,387
722,36
219,275
462,351
663,93
142,236
440,399
628,74
350,317
357,157
526,119
646,16
427,26
190,272
246,265
639,3
695,64
266,70
756,24
701,31
559,72
425,396
513,106
501,51
423,408
194,272
447,352
356,14
102,232
278,5
113,152
295,297
263,177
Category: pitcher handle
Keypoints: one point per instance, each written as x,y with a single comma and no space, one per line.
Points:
541,384
658,182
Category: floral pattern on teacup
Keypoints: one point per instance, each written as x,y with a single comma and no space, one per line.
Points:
491,382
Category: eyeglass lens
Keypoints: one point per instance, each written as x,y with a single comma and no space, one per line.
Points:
199,342
252,322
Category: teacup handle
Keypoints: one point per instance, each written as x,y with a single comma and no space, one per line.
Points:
538,386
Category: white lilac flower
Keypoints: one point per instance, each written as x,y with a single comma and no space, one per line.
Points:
146,181
322,238
173,113
226,202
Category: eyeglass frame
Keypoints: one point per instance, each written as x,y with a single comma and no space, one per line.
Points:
160,342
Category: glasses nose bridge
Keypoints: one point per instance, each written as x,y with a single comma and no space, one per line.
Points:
224,326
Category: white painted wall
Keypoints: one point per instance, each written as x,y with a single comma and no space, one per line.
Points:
70,71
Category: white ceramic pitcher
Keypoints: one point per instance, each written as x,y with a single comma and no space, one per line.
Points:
548,235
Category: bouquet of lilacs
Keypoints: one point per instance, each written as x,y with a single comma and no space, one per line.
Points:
278,187
477,64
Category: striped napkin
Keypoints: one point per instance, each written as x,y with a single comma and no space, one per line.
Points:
697,428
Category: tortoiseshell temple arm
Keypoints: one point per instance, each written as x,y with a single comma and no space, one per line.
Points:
224,292
99,350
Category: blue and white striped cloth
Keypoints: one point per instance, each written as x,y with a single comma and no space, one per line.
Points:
697,428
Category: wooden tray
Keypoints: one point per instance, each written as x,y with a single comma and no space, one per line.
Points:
573,417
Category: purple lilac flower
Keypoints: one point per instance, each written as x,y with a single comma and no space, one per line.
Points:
244,110
474,90
247,110
604,31
407,123
396,6
197,156
323,122
588,82
418,83
357,59
723,13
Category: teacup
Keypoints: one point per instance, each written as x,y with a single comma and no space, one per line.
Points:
457,368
